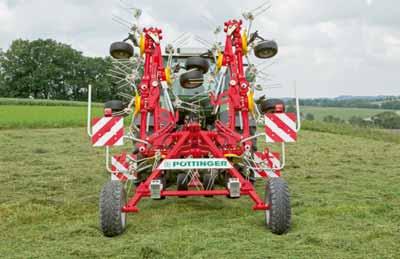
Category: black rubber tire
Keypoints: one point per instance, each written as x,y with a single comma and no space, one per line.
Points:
206,181
182,183
112,199
114,105
278,217
191,79
198,63
266,49
268,106
121,50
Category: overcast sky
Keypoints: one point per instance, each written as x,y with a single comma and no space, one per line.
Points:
331,48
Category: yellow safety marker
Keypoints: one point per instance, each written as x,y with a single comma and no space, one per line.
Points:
219,60
250,97
244,43
137,104
141,44
168,76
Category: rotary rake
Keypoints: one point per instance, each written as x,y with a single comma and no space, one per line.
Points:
196,136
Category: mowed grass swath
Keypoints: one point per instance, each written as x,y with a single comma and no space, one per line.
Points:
345,199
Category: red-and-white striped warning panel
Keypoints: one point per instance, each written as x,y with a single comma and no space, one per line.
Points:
273,162
120,167
108,131
280,127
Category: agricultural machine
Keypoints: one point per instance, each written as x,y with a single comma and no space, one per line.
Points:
195,128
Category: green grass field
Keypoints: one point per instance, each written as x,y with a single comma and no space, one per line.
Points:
33,116
342,113
23,113
345,204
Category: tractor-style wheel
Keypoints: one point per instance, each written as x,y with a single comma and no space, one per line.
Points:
114,105
278,216
198,63
266,49
112,200
191,79
121,50
269,105
182,183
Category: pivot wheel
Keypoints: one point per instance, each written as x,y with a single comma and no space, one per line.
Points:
266,49
121,50
191,79
182,183
197,63
277,217
112,200
269,106
114,105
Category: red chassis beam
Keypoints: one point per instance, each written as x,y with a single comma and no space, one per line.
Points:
191,140
189,135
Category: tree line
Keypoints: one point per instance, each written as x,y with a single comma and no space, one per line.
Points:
46,69
392,103
384,120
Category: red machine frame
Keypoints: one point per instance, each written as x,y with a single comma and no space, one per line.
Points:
191,141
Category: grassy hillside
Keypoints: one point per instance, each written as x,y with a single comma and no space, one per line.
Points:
342,113
345,199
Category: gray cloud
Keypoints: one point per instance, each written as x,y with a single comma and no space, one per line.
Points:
330,47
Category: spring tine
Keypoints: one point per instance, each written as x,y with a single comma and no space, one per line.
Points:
124,95
262,11
121,61
203,40
122,70
183,41
205,44
120,23
179,37
272,86
261,6
208,22
125,5
125,66
122,80
118,72
122,86
115,76
122,20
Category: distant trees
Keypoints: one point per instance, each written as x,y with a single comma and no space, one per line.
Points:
47,69
387,120
391,105
368,102
361,122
